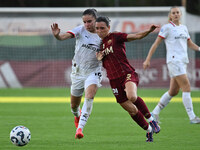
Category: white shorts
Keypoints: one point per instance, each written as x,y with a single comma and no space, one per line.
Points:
176,68
80,82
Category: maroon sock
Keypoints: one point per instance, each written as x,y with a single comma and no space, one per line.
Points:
142,107
139,119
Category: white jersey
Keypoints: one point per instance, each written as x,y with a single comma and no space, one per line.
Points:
87,44
176,42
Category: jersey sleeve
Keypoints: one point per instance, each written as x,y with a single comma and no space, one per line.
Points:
76,31
121,37
163,32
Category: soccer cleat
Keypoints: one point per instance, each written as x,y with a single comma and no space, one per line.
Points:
155,126
196,120
156,118
149,136
79,134
76,120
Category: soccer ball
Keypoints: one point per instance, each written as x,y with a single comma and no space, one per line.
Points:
20,135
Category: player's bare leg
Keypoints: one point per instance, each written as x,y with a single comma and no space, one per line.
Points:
75,108
131,91
165,99
137,116
86,109
184,84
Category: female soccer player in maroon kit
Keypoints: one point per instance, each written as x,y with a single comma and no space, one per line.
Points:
122,76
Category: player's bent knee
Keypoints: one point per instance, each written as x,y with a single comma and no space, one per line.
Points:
133,113
132,98
90,96
174,93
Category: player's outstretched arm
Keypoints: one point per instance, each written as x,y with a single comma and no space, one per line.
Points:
56,32
153,48
140,35
192,45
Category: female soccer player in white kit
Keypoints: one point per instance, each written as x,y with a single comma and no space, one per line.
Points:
86,69
176,39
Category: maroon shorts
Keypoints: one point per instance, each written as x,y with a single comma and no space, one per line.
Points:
118,86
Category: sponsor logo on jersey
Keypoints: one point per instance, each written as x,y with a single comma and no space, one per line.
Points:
91,47
108,50
181,36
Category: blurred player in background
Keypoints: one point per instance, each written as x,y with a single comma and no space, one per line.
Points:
86,69
176,39
122,76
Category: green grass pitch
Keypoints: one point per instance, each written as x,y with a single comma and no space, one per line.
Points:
109,126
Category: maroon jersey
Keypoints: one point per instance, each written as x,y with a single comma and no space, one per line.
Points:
115,61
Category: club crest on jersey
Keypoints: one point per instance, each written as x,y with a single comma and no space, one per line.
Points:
162,29
109,42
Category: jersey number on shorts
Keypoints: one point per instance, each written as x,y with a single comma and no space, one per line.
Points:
98,74
115,91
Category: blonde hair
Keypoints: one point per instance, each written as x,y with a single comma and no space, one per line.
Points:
169,19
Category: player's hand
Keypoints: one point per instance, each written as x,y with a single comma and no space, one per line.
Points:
146,64
153,27
55,29
99,55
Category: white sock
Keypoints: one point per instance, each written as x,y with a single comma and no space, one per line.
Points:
76,111
164,100
85,112
187,102
150,119
149,129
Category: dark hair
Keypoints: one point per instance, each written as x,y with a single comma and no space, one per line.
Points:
103,19
92,12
